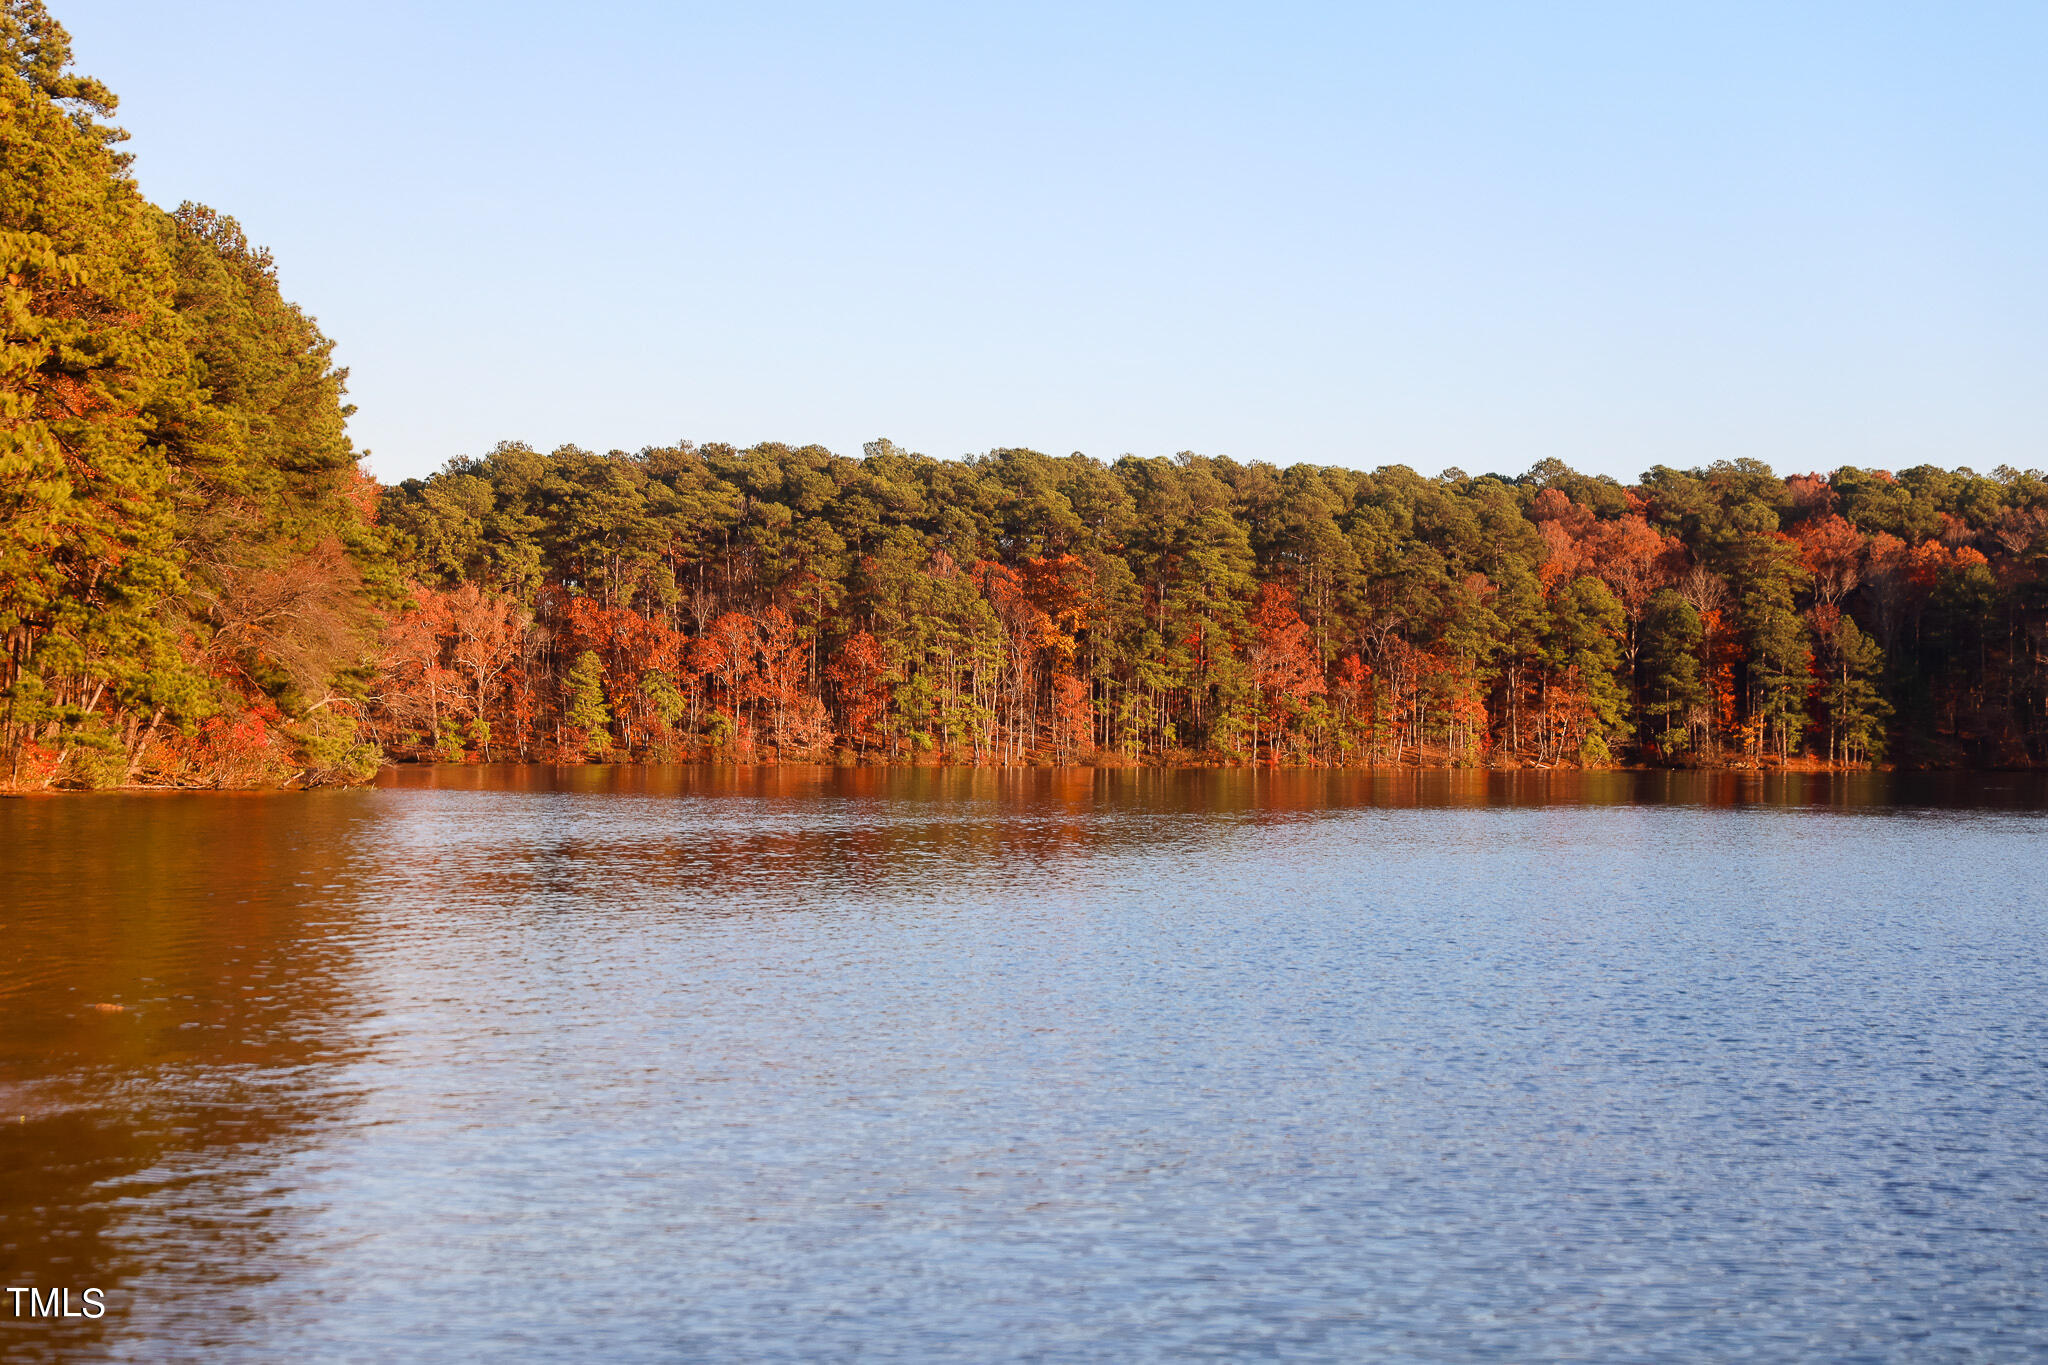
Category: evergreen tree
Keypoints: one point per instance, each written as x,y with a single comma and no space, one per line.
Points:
1583,647
187,569
583,706
1849,697
1673,691
90,346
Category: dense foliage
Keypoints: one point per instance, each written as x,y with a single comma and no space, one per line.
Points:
188,568
709,601
198,585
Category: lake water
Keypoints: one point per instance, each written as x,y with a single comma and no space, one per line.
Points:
629,1064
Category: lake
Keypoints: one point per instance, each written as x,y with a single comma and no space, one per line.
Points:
631,1064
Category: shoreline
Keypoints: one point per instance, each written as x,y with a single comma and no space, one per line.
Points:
1218,765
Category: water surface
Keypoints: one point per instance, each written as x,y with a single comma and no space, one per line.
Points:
809,1064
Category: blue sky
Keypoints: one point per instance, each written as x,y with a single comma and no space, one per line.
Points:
1458,234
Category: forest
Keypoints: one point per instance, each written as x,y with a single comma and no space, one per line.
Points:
200,585
192,586
774,603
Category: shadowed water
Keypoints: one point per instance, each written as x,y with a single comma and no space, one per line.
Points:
635,1064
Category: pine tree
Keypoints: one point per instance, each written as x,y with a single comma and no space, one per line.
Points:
185,550
90,344
583,705
1583,647
1855,711
1673,690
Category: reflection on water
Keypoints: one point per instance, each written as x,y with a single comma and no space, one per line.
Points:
800,1063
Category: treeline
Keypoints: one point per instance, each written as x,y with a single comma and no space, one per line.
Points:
709,602
198,586
190,580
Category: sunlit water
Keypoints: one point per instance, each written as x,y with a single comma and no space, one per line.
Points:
683,1064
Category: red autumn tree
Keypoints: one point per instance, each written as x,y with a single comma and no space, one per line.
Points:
1284,667
860,676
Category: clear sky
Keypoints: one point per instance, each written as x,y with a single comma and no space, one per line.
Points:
1432,234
